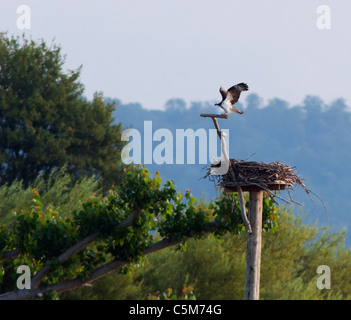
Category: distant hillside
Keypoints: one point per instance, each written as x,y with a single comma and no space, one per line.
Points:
314,137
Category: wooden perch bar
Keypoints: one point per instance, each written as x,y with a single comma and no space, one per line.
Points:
214,116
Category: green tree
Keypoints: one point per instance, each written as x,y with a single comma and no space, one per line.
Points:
112,232
59,191
290,258
45,121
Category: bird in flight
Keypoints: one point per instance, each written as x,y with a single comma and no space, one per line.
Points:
231,97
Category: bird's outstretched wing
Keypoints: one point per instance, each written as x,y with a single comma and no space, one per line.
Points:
234,92
223,93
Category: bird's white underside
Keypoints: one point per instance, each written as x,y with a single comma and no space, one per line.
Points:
227,106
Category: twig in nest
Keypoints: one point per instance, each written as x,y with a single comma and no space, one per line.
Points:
320,199
270,192
242,203
292,200
243,213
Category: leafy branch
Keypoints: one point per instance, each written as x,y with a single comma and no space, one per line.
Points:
113,232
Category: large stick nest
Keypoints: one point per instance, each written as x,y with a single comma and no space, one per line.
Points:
263,175
259,174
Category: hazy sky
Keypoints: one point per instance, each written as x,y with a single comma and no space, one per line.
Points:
149,51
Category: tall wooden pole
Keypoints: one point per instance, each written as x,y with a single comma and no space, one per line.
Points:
253,249
254,226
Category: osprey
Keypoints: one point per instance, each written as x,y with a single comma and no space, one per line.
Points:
231,97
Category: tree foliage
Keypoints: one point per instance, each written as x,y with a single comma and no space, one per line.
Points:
215,268
45,122
115,231
60,191
290,258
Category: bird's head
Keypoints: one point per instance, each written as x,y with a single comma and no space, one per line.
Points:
217,104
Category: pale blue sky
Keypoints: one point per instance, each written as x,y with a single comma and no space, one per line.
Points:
149,51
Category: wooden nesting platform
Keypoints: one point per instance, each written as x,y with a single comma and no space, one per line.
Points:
271,186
